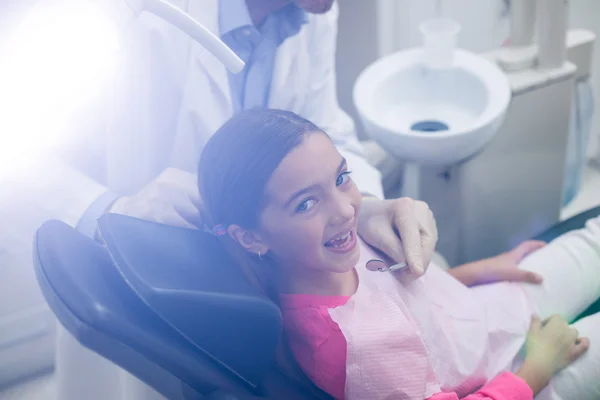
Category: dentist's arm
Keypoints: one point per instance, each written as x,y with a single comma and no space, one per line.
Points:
403,229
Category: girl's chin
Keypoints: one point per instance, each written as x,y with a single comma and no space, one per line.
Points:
346,265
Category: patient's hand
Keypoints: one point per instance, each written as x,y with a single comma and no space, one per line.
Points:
504,267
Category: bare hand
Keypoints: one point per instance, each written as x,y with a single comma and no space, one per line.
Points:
504,267
172,199
403,229
553,345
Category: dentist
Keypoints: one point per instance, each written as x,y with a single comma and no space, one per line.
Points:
171,96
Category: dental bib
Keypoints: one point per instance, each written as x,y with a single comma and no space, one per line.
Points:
407,340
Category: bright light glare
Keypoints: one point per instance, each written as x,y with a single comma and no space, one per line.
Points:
60,58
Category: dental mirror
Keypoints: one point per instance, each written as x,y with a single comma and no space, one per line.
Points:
377,265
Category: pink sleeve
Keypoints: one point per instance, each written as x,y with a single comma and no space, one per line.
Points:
505,386
329,371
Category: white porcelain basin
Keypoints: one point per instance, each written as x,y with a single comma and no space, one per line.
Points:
432,117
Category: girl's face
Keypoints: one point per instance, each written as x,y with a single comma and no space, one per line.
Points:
310,219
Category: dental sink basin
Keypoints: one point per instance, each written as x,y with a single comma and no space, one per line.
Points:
432,117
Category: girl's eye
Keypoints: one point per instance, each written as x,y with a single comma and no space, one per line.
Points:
306,205
343,178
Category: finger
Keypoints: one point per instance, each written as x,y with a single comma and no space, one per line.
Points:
574,334
188,210
519,275
556,321
410,237
191,220
428,230
171,217
528,247
192,192
185,181
389,243
425,217
180,222
580,348
536,324
195,198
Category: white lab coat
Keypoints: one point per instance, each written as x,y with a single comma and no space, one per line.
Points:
171,96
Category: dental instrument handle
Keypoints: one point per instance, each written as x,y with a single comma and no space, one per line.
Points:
377,265
196,31
396,267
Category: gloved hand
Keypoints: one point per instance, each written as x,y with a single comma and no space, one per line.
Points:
403,229
171,199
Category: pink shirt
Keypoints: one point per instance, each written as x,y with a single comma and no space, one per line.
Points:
320,349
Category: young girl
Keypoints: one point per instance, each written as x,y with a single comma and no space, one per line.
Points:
282,200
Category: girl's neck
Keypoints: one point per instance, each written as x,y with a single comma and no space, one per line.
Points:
319,283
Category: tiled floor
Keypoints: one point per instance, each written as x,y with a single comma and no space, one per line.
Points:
42,388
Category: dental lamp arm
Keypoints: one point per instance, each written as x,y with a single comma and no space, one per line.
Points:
196,31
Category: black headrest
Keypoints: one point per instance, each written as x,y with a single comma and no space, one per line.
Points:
187,279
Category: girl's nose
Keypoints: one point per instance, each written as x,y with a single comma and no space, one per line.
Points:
343,209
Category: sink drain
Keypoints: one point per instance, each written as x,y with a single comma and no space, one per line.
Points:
429,126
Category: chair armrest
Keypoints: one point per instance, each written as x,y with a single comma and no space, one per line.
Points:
576,222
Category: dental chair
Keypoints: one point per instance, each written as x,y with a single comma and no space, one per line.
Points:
164,304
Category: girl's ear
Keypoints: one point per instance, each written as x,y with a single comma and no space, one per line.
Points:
249,240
